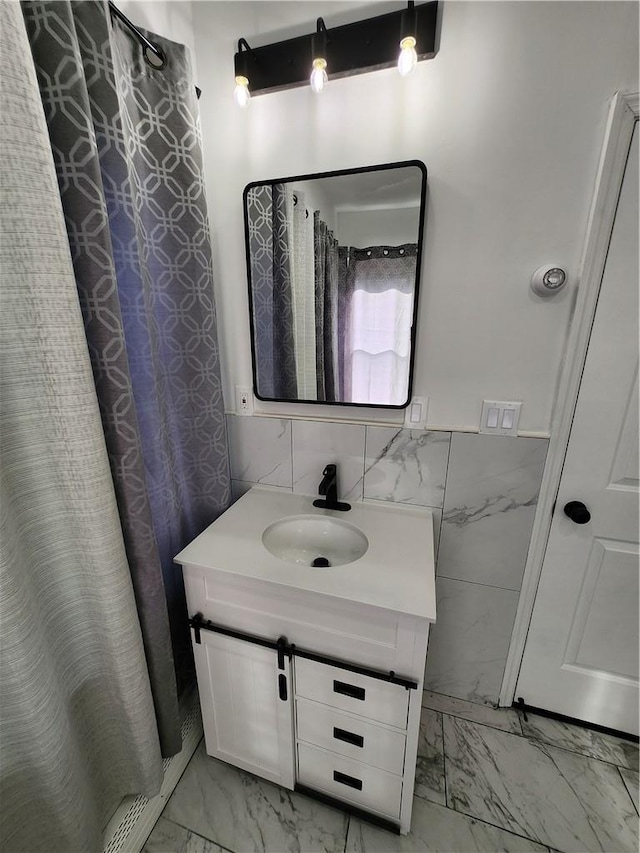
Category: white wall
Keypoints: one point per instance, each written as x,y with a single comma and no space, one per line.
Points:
316,199
509,119
389,226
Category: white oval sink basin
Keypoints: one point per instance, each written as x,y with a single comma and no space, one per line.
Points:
315,540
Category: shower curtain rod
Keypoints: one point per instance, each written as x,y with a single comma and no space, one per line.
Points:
144,41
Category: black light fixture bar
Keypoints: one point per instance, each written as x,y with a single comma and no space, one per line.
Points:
355,48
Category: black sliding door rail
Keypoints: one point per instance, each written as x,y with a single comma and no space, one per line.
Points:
199,623
390,677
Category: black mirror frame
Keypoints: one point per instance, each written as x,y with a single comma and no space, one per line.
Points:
421,223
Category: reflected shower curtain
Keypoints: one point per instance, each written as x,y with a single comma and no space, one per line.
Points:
303,284
77,729
270,209
346,284
326,279
284,353
126,146
380,341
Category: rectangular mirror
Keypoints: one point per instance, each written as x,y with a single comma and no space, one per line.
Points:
333,263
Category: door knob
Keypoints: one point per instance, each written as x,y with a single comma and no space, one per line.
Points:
577,512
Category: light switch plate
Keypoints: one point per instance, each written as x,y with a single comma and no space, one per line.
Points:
415,415
500,417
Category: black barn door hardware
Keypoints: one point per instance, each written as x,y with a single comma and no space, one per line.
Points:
285,649
282,687
390,677
199,623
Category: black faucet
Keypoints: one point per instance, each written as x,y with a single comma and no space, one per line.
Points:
329,488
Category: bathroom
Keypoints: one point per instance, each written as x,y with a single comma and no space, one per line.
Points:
515,120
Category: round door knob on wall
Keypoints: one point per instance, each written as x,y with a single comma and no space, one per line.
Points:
577,512
548,280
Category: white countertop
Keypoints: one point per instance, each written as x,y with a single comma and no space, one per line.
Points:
397,572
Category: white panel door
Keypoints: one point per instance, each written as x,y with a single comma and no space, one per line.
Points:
581,653
247,722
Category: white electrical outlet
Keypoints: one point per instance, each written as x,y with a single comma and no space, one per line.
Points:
244,400
500,417
415,415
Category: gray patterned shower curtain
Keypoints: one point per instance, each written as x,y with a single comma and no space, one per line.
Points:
126,146
77,729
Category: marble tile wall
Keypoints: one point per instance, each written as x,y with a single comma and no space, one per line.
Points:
492,491
482,490
487,516
315,444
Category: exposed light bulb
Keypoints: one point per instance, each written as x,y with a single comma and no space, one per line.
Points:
319,77
241,93
408,58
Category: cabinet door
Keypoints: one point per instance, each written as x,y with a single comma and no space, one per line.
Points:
246,706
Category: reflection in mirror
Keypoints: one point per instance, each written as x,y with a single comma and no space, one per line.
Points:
333,264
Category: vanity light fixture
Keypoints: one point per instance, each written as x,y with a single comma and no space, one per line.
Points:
408,57
343,51
319,77
242,93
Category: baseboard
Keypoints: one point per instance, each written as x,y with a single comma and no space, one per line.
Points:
573,721
134,819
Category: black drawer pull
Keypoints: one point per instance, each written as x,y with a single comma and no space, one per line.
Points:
348,690
282,687
347,780
348,737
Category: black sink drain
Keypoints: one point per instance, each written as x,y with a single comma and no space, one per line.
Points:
320,563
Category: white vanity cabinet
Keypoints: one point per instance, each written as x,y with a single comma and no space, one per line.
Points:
351,735
313,690
314,694
246,708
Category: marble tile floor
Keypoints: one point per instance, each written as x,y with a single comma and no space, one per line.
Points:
486,781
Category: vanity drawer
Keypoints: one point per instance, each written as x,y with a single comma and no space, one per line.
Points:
350,736
351,691
365,786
